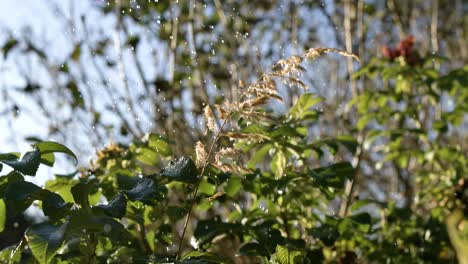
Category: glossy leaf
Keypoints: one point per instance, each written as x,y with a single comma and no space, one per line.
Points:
46,147
115,208
27,164
182,169
146,191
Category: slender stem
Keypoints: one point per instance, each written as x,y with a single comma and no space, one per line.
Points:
351,184
192,203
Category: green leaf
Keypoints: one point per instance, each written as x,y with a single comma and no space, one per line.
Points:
325,233
147,156
334,175
80,192
287,256
258,155
48,159
27,164
2,215
206,230
115,208
10,156
301,109
53,205
157,143
146,191
182,169
193,257
21,194
61,186
278,164
44,240
46,147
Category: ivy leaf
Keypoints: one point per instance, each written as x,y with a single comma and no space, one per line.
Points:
44,240
115,208
46,147
27,164
146,191
182,169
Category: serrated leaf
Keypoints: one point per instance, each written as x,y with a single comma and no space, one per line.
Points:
44,240
182,169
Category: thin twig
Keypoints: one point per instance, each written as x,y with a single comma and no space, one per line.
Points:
192,203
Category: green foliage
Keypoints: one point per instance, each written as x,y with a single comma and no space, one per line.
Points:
277,201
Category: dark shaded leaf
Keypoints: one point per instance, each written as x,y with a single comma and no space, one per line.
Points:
21,194
53,205
181,169
28,164
115,208
80,192
253,249
146,191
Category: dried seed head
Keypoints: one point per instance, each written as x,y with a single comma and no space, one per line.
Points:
225,153
222,113
202,156
210,119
